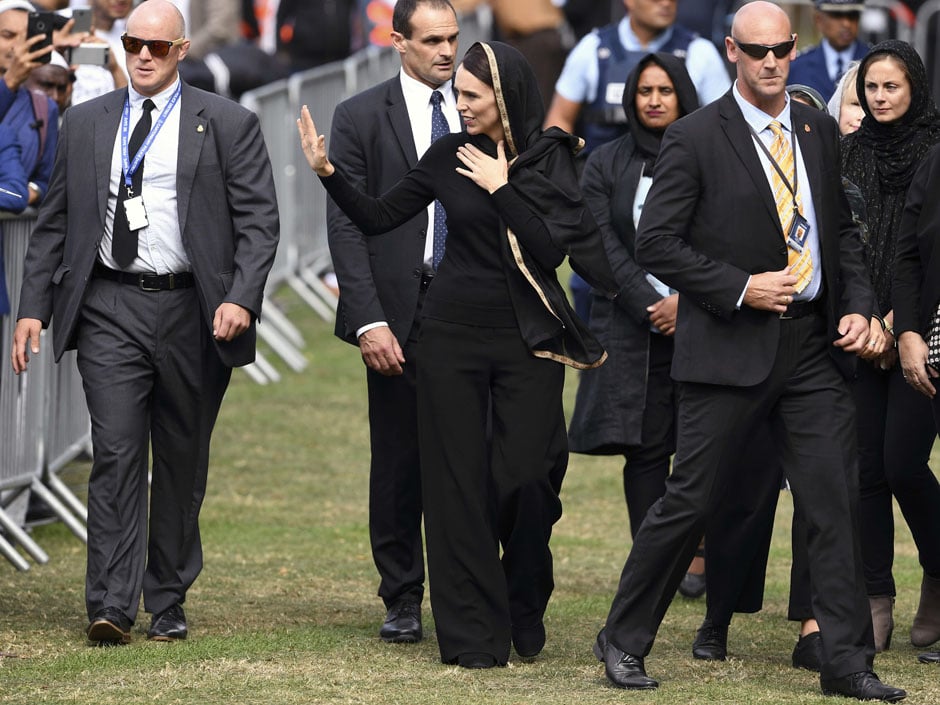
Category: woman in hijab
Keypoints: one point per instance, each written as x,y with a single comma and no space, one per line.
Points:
495,325
627,406
895,426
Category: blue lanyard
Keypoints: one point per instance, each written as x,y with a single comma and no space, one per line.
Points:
131,167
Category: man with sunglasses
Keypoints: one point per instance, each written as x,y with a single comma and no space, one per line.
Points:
822,66
749,223
151,254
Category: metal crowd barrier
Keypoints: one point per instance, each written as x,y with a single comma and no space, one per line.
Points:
44,422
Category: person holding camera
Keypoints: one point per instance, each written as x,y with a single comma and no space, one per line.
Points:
93,47
33,119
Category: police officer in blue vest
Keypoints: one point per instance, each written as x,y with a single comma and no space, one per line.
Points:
589,93
591,85
822,66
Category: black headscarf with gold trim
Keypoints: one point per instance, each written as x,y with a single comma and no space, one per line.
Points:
542,172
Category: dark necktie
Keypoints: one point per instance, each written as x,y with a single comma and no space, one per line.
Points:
840,69
123,239
801,263
439,128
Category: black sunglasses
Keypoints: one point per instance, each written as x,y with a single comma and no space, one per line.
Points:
759,51
158,47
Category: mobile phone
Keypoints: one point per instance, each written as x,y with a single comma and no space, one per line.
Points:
82,17
94,54
41,23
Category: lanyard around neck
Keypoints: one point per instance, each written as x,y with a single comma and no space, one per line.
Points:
131,166
796,171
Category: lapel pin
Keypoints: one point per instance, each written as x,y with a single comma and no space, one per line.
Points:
806,128
199,128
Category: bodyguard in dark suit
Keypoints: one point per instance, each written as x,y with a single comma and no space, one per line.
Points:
159,297
377,136
761,335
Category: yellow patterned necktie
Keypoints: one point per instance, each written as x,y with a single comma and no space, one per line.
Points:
801,263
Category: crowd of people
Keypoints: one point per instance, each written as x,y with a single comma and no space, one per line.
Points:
755,304
755,315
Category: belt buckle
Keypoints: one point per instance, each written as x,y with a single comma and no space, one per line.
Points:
143,287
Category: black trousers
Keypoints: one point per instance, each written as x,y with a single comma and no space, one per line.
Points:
154,382
895,435
395,479
739,535
479,494
806,398
647,464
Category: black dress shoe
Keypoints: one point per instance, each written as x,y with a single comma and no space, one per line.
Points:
402,623
626,670
528,641
808,652
109,627
863,685
600,644
929,657
692,585
711,642
168,625
476,660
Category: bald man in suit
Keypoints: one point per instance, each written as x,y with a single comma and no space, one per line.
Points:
774,304
154,270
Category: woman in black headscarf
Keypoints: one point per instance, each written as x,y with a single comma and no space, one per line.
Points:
495,323
895,426
627,406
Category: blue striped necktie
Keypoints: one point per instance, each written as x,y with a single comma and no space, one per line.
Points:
439,128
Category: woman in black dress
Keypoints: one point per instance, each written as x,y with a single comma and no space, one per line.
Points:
495,325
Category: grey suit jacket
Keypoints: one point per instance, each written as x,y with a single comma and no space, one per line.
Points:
227,212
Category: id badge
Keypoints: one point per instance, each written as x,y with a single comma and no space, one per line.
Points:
799,229
136,213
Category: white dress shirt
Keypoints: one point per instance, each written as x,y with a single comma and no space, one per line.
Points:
418,103
160,244
760,123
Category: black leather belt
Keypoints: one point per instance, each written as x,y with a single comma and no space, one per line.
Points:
426,279
145,281
801,309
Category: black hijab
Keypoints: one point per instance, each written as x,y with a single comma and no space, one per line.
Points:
881,158
543,174
517,96
647,140
898,146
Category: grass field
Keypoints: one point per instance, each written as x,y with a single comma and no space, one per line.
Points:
285,609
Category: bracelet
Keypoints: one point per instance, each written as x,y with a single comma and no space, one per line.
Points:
884,326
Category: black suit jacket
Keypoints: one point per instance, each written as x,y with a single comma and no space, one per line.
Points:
225,199
379,277
916,289
710,221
